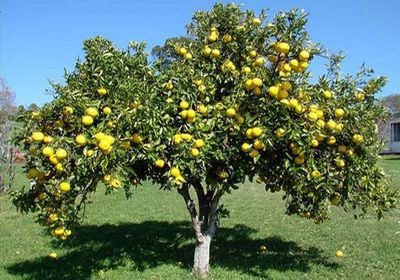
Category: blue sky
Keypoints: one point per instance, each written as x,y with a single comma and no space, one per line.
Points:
38,39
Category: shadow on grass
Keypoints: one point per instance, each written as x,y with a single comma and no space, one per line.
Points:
150,244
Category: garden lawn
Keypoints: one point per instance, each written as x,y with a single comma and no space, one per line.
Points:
149,237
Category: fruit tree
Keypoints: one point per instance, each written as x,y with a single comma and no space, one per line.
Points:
235,102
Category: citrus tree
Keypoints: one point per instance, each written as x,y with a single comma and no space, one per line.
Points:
234,102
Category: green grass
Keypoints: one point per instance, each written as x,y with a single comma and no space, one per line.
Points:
149,237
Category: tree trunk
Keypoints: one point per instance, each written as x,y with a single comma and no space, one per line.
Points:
202,257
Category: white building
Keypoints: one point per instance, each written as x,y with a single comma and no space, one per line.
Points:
394,134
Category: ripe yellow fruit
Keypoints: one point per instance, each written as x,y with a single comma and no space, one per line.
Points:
246,147
107,110
53,217
227,38
102,91
321,123
331,140
37,136
105,147
315,174
272,58
215,53
80,139
177,139
280,132
188,56
304,55
159,163
68,110
184,105
327,94
299,160
183,114
168,86
339,254
194,152
312,116
282,94
303,65
358,138
230,112
360,96
116,183
249,133
199,143
286,86
257,82
282,47
182,51
213,37
331,124
273,91
254,153
47,139
294,63
246,70
259,145
340,163
58,231
99,136
91,111
47,151
136,138
249,84
253,54
64,186
314,143
256,21
59,167
175,172
53,160
260,61
256,132
87,120
191,114
202,88
339,113
61,154
207,50
89,153
107,178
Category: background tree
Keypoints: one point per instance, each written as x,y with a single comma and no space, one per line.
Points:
7,113
234,102
392,102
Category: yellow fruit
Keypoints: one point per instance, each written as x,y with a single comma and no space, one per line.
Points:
188,56
159,163
327,94
107,178
254,153
286,86
339,113
249,133
259,145
33,173
136,138
294,63
64,186
213,37
293,103
207,50
199,143
105,146
53,159
87,120
101,91
331,124
184,105
256,21
260,61
314,143
37,136
175,172
257,91
331,140
339,254
273,91
358,138
303,65
182,51
280,132
304,55
91,111
61,154
194,152
312,116
89,153
299,160
53,217
59,167
110,124
360,96
282,47
321,123
47,139
107,110
215,53
246,147
99,136
68,110
315,174
252,53
47,151
183,114
249,84
283,94
256,132
58,231
257,82
227,38
202,88
320,137
230,112
246,70
67,232
80,139
116,183
191,114
340,163
177,139
168,86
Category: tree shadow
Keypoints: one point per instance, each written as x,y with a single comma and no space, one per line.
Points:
154,243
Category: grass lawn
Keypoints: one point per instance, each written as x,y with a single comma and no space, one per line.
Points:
149,237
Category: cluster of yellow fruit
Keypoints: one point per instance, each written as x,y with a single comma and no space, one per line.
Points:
112,181
90,114
253,85
254,148
184,52
176,175
285,67
61,232
187,114
104,142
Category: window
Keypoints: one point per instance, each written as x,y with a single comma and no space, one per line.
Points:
395,132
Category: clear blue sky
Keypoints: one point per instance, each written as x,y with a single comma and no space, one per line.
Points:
40,38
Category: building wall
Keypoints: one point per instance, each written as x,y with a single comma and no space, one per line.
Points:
394,147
